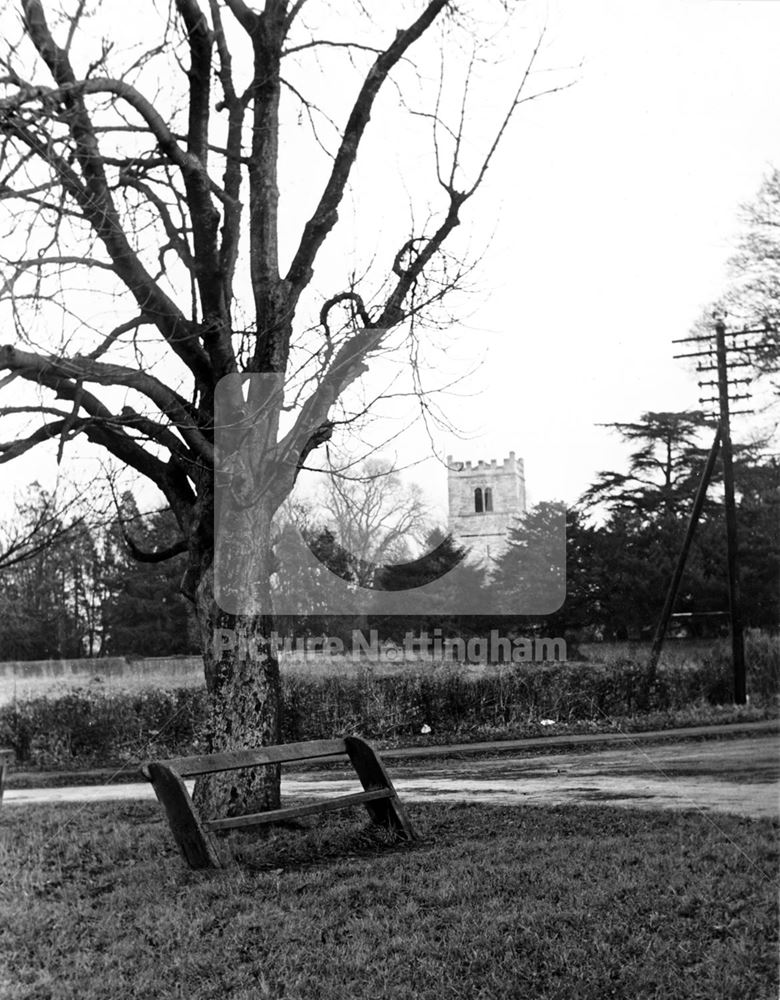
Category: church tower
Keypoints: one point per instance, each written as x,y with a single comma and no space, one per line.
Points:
485,500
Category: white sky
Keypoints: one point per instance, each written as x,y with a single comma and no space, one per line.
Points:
612,208
620,203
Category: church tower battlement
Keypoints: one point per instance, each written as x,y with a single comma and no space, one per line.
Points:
485,500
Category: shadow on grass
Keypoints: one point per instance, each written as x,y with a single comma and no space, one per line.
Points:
303,844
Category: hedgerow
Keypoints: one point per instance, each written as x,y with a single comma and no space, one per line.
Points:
90,726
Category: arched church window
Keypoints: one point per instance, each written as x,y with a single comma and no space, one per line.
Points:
488,499
478,500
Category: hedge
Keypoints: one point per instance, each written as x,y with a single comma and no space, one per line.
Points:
89,726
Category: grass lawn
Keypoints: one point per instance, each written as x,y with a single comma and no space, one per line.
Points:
537,903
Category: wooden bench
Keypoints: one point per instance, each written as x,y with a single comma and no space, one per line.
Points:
192,833
6,757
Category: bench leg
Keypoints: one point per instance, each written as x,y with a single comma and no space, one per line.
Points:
7,757
371,771
193,840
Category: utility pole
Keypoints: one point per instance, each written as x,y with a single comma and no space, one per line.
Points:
737,638
718,357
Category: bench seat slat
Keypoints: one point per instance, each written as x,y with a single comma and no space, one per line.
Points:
292,812
190,767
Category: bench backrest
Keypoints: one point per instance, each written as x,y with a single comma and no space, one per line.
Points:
190,767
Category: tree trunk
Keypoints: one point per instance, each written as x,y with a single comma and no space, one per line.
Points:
242,680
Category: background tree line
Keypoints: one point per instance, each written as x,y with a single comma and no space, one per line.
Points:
80,593
85,594
624,535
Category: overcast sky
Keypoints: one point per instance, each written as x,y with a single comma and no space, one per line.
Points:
619,208
610,212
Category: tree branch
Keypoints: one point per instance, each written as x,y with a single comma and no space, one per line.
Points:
53,429
231,221
95,198
177,241
269,296
200,41
354,298
294,12
326,213
98,210
55,373
140,555
245,17
115,334
335,45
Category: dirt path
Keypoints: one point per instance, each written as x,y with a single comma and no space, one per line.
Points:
739,775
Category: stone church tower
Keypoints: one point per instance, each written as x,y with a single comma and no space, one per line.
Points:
484,501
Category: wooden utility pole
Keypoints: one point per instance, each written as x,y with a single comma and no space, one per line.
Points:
716,354
737,638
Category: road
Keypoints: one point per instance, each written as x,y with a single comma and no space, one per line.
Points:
738,775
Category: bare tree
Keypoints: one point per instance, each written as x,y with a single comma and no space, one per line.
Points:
752,296
374,515
149,180
755,289
40,524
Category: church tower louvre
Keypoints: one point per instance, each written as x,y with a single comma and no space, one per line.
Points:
485,500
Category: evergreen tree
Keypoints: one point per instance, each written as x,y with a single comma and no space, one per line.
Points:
530,568
663,470
48,597
144,613
458,582
636,547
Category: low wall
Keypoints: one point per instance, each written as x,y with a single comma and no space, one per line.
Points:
21,680
108,667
